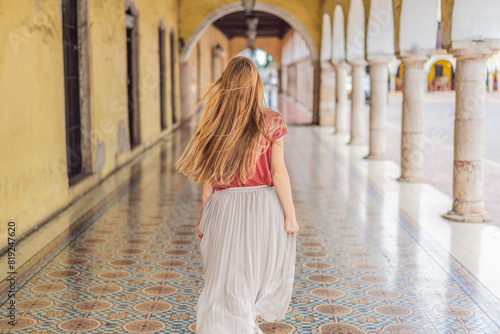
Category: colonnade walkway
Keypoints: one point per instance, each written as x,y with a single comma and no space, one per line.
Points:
373,255
438,128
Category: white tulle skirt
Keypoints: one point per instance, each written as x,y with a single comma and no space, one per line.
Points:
249,261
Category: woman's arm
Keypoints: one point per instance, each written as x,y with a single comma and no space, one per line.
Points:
281,182
206,190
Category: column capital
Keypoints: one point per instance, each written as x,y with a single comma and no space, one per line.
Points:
380,59
357,62
474,49
339,65
327,65
415,56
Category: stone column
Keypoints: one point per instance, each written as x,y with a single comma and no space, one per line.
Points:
291,81
341,112
298,83
294,81
284,79
327,95
186,98
468,153
302,83
490,82
314,99
358,102
279,87
378,108
305,84
392,82
414,84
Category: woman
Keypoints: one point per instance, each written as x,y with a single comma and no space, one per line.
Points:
247,226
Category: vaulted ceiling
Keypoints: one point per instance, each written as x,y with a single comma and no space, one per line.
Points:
234,25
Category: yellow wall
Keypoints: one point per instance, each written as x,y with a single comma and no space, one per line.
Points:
399,79
272,45
208,41
210,38
33,177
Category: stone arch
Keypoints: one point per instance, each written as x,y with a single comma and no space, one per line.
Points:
463,21
338,38
380,32
416,26
326,38
236,7
435,58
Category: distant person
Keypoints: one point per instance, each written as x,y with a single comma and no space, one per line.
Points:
247,226
445,82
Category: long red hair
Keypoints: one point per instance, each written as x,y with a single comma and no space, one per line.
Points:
228,140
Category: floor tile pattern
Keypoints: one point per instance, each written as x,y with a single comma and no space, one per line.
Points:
137,268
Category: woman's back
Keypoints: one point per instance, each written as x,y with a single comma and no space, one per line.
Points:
276,129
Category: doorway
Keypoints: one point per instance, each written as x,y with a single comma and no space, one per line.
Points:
161,48
72,88
132,76
172,76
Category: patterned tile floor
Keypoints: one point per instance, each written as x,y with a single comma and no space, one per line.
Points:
359,269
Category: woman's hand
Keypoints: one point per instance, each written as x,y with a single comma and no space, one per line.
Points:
206,191
291,226
281,182
199,235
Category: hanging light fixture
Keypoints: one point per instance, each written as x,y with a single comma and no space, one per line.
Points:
248,6
251,22
251,35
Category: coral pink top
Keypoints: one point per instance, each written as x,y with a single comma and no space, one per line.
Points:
262,174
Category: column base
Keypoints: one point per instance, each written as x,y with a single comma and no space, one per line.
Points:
356,141
416,179
341,132
377,157
326,119
467,217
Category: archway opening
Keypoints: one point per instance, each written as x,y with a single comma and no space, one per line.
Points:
279,40
441,76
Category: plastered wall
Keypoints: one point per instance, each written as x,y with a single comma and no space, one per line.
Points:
33,178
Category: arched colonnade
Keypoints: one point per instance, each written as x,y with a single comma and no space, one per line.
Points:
407,30
347,35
